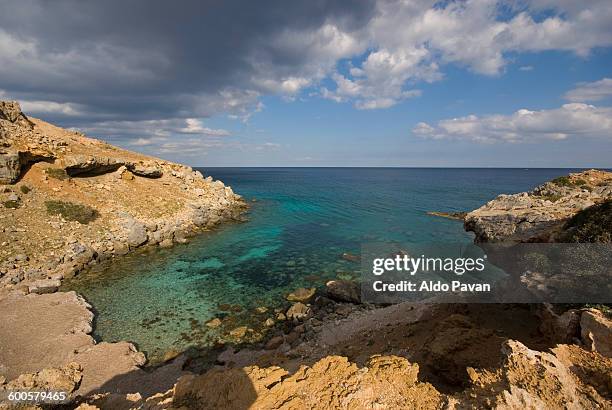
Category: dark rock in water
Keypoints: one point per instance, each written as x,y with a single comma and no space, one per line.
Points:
350,257
344,291
274,343
460,216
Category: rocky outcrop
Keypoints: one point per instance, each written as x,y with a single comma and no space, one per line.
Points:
386,382
53,330
11,111
539,215
566,378
61,185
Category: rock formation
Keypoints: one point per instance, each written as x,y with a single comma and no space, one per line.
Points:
88,201
539,215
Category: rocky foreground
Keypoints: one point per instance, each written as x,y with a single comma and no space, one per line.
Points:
327,350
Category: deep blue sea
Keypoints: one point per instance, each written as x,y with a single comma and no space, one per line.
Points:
301,221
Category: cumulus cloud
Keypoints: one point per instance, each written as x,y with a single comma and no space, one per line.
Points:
411,40
195,126
146,132
570,120
79,63
595,91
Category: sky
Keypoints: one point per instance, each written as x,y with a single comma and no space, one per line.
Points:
477,83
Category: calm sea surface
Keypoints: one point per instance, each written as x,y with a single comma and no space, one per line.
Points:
300,222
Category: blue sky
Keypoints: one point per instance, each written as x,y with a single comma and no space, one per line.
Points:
310,131
368,83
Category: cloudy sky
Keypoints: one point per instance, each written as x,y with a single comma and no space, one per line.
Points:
524,83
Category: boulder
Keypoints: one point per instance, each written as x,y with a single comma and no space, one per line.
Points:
145,170
213,323
343,291
298,311
596,332
136,233
44,286
301,295
11,111
10,167
239,332
90,164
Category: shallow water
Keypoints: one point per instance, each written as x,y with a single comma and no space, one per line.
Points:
301,223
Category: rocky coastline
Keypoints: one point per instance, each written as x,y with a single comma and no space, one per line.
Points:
324,347
88,201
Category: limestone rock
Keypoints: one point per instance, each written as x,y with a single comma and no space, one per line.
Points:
10,167
596,331
298,311
213,323
62,379
11,111
147,170
538,215
90,164
42,286
136,232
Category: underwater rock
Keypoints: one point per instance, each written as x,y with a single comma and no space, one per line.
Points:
301,295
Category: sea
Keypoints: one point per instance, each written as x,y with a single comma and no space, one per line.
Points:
300,223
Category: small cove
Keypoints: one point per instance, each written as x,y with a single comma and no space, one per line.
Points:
301,222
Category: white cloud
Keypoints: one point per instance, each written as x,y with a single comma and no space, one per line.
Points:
595,91
152,131
195,126
570,120
526,68
49,107
410,40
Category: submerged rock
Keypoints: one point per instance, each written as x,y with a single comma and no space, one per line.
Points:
301,295
214,323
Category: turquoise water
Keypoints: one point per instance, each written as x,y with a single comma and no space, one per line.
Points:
301,221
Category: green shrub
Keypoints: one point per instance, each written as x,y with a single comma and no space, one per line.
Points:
25,189
593,224
11,204
562,181
580,182
57,173
71,211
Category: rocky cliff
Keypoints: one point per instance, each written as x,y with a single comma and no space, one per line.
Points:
540,215
68,201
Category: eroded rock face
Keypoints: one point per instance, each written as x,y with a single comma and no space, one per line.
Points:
11,111
332,382
539,215
61,379
596,332
10,167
